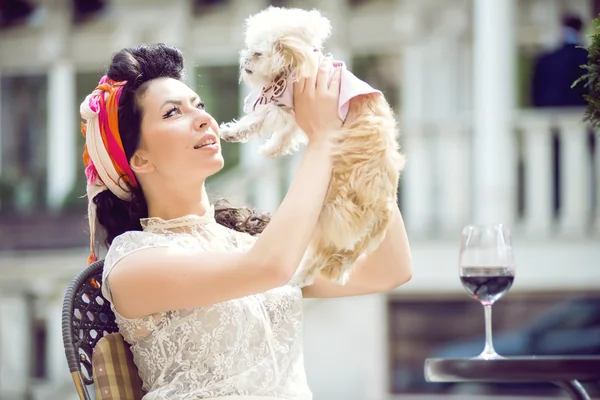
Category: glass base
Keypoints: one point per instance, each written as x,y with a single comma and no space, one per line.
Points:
488,356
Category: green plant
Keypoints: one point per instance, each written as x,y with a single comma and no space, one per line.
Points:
591,79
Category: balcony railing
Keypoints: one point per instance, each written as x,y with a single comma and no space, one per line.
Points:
561,173
43,231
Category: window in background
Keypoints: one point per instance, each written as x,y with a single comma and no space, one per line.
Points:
202,6
15,12
382,71
357,3
219,89
23,143
85,10
280,3
39,347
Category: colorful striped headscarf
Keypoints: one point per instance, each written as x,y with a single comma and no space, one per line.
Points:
106,165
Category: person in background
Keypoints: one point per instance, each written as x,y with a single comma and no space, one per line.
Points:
552,85
555,71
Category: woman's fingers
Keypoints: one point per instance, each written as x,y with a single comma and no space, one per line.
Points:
299,87
323,75
336,80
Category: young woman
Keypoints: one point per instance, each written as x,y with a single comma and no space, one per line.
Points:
206,303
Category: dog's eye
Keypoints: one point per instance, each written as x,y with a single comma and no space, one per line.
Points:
249,72
257,54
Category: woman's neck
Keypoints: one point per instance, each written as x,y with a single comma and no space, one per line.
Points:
169,202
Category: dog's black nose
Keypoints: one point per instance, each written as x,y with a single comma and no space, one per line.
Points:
249,72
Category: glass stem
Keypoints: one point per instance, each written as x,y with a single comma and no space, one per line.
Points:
488,351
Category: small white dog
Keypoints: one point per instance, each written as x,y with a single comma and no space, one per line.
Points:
282,46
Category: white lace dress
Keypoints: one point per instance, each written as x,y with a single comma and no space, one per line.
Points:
251,346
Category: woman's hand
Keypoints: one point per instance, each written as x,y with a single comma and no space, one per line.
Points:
316,103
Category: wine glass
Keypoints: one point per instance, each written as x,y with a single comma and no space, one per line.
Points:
487,270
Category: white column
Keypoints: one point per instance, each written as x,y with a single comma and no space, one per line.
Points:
575,178
451,201
346,357
61,133
377,382
494,165
56,363
15,346
416,180
442,78
538,175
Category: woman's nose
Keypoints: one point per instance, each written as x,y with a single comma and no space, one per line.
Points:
202,119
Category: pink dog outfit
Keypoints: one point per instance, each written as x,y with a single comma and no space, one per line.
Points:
281,92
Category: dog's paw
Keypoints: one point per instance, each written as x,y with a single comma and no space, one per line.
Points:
226,131
229,132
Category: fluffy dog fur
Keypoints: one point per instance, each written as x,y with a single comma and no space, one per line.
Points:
361,197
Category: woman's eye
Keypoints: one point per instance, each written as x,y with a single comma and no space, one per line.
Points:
169,113
175,110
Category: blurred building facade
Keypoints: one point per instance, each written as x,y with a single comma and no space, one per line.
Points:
456,71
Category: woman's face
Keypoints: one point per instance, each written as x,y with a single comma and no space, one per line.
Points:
179,139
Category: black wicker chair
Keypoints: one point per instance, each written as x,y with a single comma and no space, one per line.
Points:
86,319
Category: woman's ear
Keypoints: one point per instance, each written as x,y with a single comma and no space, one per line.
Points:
140,164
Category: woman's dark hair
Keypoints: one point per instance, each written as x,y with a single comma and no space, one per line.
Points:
138,66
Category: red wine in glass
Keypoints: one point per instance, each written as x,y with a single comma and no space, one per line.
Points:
487,284
487,270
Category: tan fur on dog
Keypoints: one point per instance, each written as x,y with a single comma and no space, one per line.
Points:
362,195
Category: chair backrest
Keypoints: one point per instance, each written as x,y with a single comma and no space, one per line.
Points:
115,374
86,318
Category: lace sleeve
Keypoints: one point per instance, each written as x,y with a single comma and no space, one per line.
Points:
123,245
244,241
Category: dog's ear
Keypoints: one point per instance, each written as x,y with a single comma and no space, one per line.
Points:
295,52
294,56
